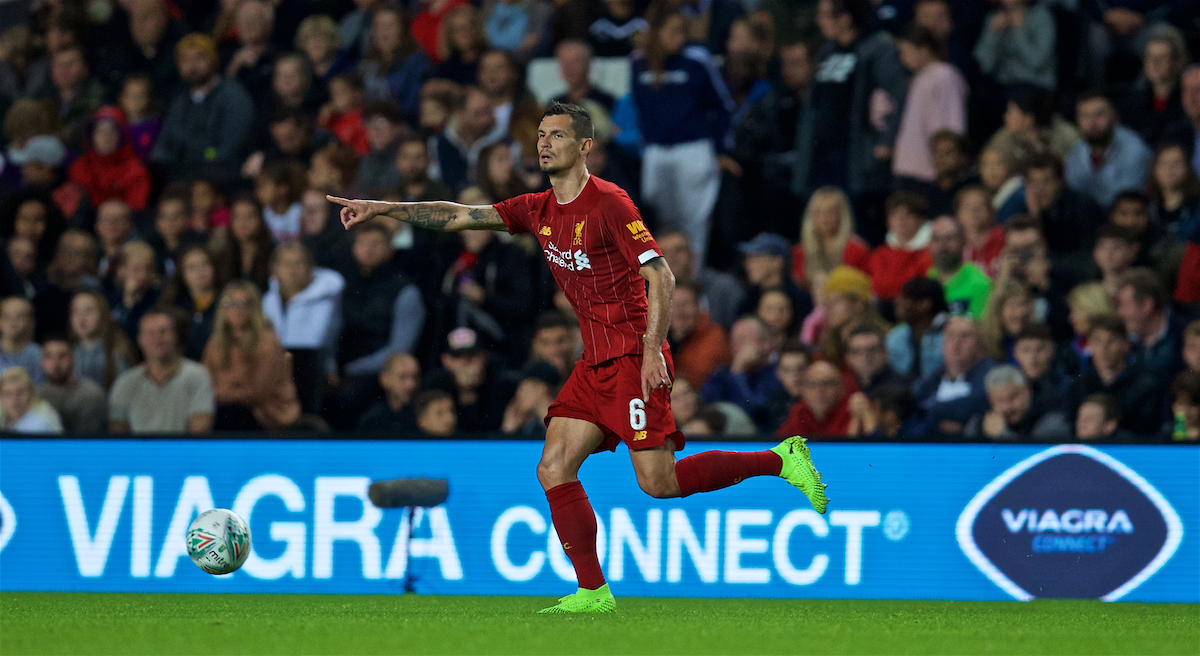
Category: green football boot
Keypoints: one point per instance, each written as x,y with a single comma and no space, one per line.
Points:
599,600
799,470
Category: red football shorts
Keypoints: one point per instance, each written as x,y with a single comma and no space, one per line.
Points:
609,395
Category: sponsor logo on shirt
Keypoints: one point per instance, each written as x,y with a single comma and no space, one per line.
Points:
545,231
638,230
575,260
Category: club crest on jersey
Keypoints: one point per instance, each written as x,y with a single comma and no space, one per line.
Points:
545,231
570,260
638,230
578,234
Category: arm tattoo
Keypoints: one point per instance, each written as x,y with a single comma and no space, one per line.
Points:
447,217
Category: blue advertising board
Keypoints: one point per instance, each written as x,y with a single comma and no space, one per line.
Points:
915,521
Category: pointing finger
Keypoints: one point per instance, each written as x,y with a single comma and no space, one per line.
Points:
339,201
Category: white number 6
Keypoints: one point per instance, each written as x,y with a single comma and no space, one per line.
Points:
637,414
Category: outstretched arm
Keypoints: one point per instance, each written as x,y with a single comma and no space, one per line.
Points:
439,216
660,294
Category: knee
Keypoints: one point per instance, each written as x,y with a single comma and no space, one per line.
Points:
659,487
551,473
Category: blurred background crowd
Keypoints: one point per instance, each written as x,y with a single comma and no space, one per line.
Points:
888,219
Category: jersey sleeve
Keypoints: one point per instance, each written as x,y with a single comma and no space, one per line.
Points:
517,214
634,240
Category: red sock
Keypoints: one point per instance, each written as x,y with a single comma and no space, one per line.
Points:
575,523
713,470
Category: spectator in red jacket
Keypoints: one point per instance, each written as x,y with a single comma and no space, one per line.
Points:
827,239
825,409
905,255
109,168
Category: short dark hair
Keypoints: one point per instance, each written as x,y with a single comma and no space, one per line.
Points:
384,109
426,398
1146,285
922,288
923,37
909,200
290,115
1036,331
968,190
373,226
1020,222
896,398
1044,162
866,329
795,346
581,120
1032,99
1094,94
56,337
960,141
1113,231
690,285
1132,195
553,319
1186,384
1109,323
1107,403
859,10
179,323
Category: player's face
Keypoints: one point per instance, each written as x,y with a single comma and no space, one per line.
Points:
558,149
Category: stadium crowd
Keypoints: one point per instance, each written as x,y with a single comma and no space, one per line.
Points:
889,219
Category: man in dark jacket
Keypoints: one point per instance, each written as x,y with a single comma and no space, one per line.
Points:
1137,394
478,381
206,127
951,395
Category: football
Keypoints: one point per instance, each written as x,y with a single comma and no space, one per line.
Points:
218,541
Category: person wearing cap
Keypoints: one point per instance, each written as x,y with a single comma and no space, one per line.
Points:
525,414
967,286
478,382
767,263
108,167
846,303
206,126
40,161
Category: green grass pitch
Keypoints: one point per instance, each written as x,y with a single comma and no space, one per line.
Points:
44,623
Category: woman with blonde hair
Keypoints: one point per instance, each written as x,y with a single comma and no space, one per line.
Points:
319,38
827,238
21,411
1085,302
1009,309
251,372
102,350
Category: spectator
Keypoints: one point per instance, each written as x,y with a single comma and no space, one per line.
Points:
250,59
1031,126
1018,45
395,67
109,168
383,314
847,138
171,231
1009,311
293,87
193,288
17,348
721,293
304,302
1113,255
142,108
76,94
79,402
846,302
827,239
471,129
427,24
101,349
209,209
618,30
137,287
1110,158
498,176
984,239
1026,259
246,247
1138,395
34,217
1187,131
475,379
967,286
999,175
749,380
915,345
114,227
950,395
1098,419
555,341
319,39
793,361
291,139
412,162
1185,407
1155,330
1085,301
251,372
775,309
21,411
1013,414
698,344
867,361
206,127
825,409
683,106
685,402
460,44
895,409
333,169
149,52
1154,102
767,265
526,412
1191,346
516,111
936,100
1064,213
342,115
278,188
905,255
575,66
384,130
74,264
949,151
1153,245
1173,188
167,393
399,378
435,413
1034,352
515,26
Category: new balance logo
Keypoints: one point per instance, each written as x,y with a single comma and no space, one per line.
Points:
545,231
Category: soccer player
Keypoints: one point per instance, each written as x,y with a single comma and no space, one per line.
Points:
604,260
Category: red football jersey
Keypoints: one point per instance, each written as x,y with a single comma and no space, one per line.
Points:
595,245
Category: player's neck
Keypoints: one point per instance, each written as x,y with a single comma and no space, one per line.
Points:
569,184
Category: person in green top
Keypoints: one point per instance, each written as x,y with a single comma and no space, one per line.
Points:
967,286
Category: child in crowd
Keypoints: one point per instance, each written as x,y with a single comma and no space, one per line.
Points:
435,413
102,351
279,188
138,102
342,115
209,210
